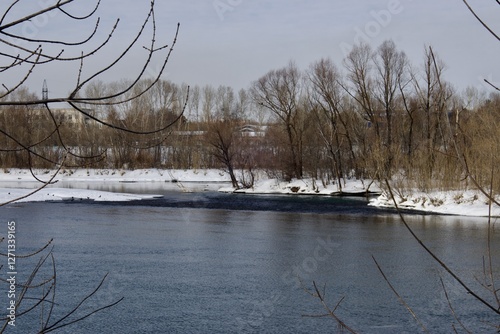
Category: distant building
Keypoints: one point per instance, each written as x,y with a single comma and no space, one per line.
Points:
67,116
251,130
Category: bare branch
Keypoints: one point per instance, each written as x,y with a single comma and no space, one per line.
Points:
36,190
436,258
492,85
451,307
60,323
30,16
481,21
331,313
401,299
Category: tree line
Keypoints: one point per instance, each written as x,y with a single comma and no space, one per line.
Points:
373,115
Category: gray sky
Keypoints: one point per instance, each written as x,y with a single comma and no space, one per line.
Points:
234,42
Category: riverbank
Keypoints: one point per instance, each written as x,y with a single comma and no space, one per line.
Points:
21,178
16,183
462,203
115,175
69,184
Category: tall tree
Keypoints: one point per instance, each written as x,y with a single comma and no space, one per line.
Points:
208,96
22,55
391,66
433,95
328,98
224,137
358,64
279,91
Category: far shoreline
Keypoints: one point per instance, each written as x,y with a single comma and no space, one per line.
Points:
459,203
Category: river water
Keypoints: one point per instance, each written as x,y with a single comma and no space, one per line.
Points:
206,262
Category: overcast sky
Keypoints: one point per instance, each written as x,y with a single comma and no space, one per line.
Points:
234,42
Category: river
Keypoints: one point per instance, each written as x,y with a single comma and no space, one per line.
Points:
205,262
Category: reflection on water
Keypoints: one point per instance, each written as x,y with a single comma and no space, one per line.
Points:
219,270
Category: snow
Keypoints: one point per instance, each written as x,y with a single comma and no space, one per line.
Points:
15,183
463,203
65,194
117,175
307,187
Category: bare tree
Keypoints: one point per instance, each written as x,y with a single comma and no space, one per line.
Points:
23,55
280,92
224,103
359,67
242,104
333,122
433,96
360,86
390,65
194,104
208,94
224,131
223,137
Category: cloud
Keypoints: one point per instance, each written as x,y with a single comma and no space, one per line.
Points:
252,37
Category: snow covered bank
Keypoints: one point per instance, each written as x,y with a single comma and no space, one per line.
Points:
65,194
17,183
463,203
117,175
308,187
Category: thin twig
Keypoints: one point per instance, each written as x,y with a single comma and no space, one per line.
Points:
60,323
331,313
436,258
481,21
36,190
491,84
451,307
401,299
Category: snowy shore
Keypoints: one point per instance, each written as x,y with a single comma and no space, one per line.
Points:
116,175
462,203
15,183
